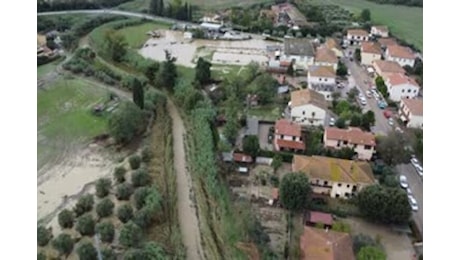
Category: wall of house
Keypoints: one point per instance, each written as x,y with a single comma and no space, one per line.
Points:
363,154
374,31
333,65
337,52
368,58
403,90
301,62
415,121
357,39
401,61
321,80
341,189
288,137
303,114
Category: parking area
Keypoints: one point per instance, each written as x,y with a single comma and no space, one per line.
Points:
264,130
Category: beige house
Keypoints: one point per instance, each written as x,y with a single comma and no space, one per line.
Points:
308,107
300,51
402,55
356,36
363,143
322,80
380,30
411,112
326,57
337,178
382,67
334,46
370,51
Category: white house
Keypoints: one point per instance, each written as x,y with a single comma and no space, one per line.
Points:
326,57
411,112
370,51
288,136
334,177
400,86
332,45
308,108
322,80
356,36
301,51
381,31
363,143
402,55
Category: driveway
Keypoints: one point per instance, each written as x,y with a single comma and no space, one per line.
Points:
263,136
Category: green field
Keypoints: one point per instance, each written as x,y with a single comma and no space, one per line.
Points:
404,22
44,69
268,112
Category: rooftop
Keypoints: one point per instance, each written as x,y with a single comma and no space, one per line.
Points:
241,157
298,145
387,41
321,71
286,127
319,244
400,52
415,106
252,125
398,79
381,28
357,32
353,135
303,47
386,66
370,47
308,96
333,169
331,43
323,54
319,217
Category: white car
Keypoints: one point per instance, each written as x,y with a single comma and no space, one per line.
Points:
403,182
409,191
332,121
363,101
376,96
419,170
391,122
412,202
414,161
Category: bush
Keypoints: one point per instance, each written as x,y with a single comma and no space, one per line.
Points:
103,186
86,251
143,217
146,154
44,236
130,235
286,157
106,231
126,122
124,191
108,254
134,254
105,208
362,240
84,204
141,178
295,191
134,162
63,244
66,219
119,174
139,197
85,225
125,213
41,255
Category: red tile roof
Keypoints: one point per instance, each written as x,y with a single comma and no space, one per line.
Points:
323,54
358,32
415,106
241,157
398,79
386,66
400,52
287,127
387,41
320,217
319,244
321,71
298,145
370,47
353,135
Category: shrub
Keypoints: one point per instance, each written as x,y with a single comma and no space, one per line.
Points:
103,187
134,254
130,235
124,191
105,208
44,236
63,244
108,254
119,174
139,197
85,225
41,256
106,230
86,251
143,217
84,204
146,154
125,213
66,219
141,178
134,162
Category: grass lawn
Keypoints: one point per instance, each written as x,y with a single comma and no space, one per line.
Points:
268,112
404,22
136,35
42,70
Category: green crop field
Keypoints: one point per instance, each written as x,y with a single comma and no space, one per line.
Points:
404,22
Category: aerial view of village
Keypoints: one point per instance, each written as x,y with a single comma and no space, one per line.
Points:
229,129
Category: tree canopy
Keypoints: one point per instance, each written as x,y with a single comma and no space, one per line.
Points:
115,45
251,145
264,86
130,235
203,71
63,244
167,74
365,15
86,251
295,191
138,92
391,149
125,122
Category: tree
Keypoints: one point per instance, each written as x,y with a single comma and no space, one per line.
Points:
141,178
86,251
340,226
143,217
295,191
106,231
134,254
139,197
154,251
277,162
264,86
135,161
63,244
125,213
119,174
103,186
368,120
362,240
355,120
340,123
115,45
44,236
150,71
138,92
366,15
153,7
290,69
85,225
342,70
146,154
391,149
130,235
65,219
108,254
381,87
203,71
371,253
231,114
167,74
357,54
41,255
251,145
105,208
386,205
351,95
125,122
84,204
124,191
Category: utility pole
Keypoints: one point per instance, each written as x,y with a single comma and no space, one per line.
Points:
99,255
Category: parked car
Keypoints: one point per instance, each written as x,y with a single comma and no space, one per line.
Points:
412,202
387,113
368,94
409,191
403,181
414,161
363,101
419,170
391,122
331,121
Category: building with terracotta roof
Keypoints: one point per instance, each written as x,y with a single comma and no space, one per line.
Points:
242,158
322,80
385,42
400,86
380,30
288,136
313,218
326,57
356,36
308,107
402,55
335,177
370,51
411,112
320,244
301,51
385,66
363,143
334,46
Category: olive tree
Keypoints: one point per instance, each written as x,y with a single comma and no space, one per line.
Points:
63,244
135,161
105,208
86,251
141,178
84,204
106,231
85,225
124,191
139,197
125,213
119,174
130,235
44,235
103,186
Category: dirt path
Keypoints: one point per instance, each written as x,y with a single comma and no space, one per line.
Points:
187,214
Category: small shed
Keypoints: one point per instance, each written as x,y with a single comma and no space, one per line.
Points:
313,218
227,157
283,89
242,158
264,160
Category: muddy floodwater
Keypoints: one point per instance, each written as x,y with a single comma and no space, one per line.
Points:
221,52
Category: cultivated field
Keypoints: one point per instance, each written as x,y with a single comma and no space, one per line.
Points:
404,22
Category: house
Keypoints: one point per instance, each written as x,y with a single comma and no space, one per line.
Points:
215,27
334,46
320,244
385,42
411,112
337,178
308,107
363,143
301,51
312,218
382,67
252,126
400,86
370,51
288,136
326,57
380,30
322,80
356,36
400,54
242,158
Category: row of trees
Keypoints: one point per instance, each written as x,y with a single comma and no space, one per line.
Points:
58,5
399,2
175,9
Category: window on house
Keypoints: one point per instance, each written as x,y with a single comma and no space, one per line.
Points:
282,136
320,79
303,112
337,195
409,90
338,144
347,194
355,188
354,146
402,91
345,142
317,182
340,184
325,183
367,147
348,185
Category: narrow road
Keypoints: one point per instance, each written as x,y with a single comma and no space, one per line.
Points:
188,219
